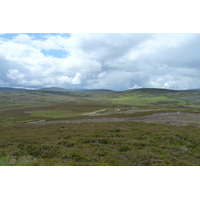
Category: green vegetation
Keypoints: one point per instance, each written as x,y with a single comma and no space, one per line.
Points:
99,127
123,143
142,100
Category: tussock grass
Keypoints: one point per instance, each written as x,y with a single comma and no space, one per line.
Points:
91,143
123,143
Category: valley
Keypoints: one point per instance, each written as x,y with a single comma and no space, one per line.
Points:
55,126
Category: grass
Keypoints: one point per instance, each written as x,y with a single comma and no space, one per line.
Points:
124,144
52,114
92,143
143,100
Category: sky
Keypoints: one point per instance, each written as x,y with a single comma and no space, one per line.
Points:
116,61
112,61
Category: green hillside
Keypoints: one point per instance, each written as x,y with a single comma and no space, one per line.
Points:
99,127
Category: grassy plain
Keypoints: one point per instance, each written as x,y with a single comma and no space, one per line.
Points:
81,128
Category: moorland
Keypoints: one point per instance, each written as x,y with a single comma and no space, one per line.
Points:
139,127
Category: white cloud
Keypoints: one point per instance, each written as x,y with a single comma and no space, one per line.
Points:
101,75
75,80
14,74
22,38
135,87
77,63
112,61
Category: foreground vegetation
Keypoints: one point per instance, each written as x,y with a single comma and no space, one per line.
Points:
31,135
122,143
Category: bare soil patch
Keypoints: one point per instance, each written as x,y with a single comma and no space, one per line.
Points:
172,118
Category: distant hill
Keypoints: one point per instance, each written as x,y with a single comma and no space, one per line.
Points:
98,90
137,97
8,89
54,89
148,90
195,89
152,91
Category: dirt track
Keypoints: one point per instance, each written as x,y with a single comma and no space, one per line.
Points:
173,118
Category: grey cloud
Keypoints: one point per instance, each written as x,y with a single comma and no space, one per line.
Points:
109,46
5,67
111,61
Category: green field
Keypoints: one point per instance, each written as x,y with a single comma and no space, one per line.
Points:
141,127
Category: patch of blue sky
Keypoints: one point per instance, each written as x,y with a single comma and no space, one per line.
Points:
9,36
43,36
35,36
59,53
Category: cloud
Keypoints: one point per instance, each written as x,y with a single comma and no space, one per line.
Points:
101,75
22,38
75,80
14,74
111,61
